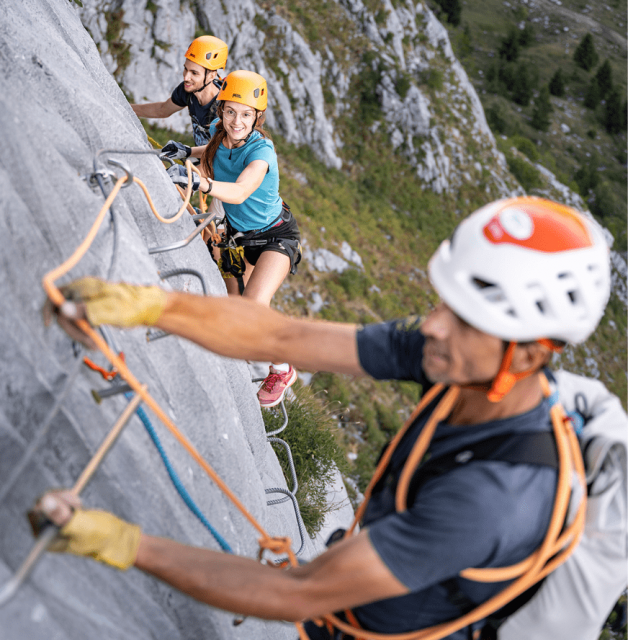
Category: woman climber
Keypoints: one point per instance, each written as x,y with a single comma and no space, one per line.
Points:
261,243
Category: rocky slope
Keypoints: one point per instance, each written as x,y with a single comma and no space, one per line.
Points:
49,422
429,108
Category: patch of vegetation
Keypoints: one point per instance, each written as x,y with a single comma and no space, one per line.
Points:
314,441
581,71
119,48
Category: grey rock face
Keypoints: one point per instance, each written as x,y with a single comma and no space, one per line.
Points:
58,107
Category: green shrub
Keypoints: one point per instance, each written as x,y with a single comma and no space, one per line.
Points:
452,9
354,282
526,146
527,175
433,78
312,435
402,84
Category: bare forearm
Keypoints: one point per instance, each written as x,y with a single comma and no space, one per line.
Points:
230,192
229,582
154,110
197,152
239,328
347,575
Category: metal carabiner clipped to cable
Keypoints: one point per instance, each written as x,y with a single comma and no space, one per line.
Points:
121,165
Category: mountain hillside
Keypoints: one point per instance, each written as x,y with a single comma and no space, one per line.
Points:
377,109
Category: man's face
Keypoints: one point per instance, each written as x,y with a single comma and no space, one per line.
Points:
193,76
457,353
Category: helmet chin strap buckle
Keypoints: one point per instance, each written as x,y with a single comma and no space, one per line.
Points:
502,385
505,380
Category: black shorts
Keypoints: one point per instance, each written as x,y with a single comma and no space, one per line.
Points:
284,237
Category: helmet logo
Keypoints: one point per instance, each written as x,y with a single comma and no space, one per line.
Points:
191,55
534,227
237,95
516,223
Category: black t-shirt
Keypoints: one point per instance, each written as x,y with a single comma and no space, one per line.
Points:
202,115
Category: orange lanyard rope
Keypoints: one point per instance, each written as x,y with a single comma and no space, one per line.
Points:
277,545
554,550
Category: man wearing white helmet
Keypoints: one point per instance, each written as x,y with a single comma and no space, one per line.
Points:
197,92
518,278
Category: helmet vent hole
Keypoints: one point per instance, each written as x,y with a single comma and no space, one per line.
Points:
540,305
482,284
572,296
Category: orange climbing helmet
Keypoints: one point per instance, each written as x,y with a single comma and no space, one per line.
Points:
245,87
208,51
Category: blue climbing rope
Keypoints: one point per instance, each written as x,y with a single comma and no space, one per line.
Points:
181,490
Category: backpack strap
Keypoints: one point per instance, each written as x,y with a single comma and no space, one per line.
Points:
532,447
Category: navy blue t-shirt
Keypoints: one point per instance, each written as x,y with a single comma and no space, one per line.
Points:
482,514
202,115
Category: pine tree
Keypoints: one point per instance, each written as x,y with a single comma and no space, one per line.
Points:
585,55
592,97
522,86
613,117
526,35
453,10
542,110
509,47
604,77
557,84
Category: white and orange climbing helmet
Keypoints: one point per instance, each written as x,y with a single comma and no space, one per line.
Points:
525,269
245,87
208,51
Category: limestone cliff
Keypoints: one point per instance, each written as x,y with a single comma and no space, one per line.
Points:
59,106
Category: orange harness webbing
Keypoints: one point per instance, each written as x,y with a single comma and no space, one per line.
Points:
556,547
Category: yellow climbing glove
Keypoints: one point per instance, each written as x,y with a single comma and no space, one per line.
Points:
119,304
99,535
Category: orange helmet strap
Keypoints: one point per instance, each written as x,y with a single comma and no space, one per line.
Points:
505,380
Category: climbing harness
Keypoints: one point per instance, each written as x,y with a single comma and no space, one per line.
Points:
231,263
232,255
560,539
50,531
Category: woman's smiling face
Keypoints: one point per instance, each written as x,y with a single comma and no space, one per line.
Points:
238,120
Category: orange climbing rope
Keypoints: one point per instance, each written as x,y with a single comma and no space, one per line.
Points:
277,545
554,550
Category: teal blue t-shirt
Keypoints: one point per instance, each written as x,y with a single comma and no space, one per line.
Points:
263,206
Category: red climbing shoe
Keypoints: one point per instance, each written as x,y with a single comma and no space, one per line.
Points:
275,385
